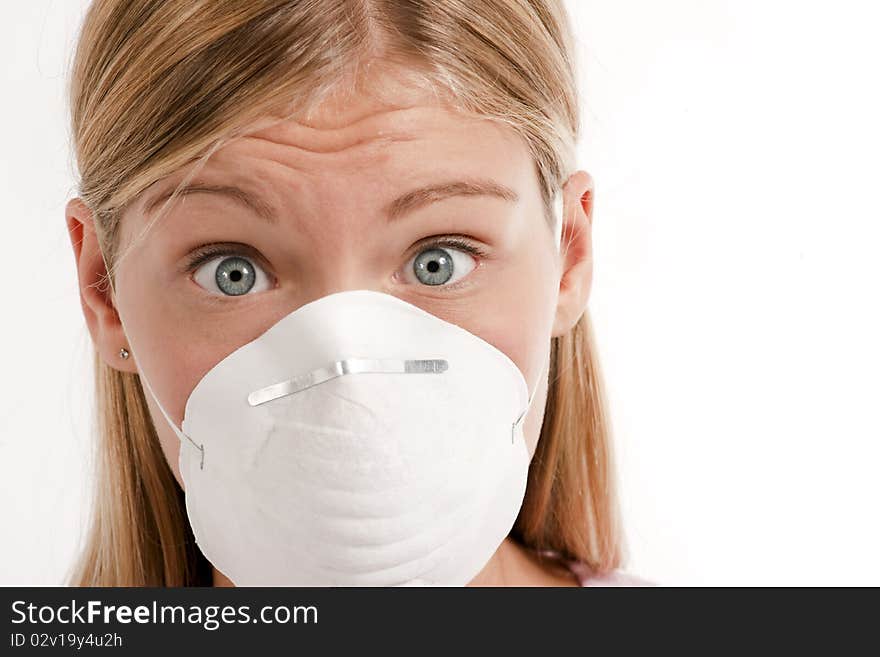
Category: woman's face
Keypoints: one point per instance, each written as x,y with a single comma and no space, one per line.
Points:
347,201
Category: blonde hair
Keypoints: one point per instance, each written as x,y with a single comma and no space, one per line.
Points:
157,85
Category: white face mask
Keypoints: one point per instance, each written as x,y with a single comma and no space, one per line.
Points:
359,441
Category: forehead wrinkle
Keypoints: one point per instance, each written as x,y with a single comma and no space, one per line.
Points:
366,156
361,149
367,143
378,128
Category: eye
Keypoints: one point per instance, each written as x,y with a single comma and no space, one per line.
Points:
441,264
231,275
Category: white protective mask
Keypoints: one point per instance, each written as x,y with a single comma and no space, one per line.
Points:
359,441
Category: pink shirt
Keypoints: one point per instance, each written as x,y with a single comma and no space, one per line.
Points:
613,578
587,577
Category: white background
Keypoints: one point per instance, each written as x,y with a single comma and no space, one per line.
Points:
734,145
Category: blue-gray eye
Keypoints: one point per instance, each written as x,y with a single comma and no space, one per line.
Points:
433,267
437,266
235,276
231,276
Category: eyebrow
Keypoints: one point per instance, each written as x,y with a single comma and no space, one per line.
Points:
417,198
254,203
404,204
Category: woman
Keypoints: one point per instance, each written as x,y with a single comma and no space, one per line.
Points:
282,191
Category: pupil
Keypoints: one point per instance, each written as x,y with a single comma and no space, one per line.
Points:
433,266
235,276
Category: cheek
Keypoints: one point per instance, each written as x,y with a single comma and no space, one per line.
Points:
171,350
174,341
518,327
164,345
516,314
517,318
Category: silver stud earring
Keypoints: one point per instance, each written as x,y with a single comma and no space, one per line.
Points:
123,353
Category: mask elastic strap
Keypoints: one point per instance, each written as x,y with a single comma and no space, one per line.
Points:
529,403
178,432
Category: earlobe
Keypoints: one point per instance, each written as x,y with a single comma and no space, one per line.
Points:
95,294
576,252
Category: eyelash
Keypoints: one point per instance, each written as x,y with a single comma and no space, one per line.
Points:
202,254
454,241
206,252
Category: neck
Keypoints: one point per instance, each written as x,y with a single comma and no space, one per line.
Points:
220,579
511,565
516,565
503,567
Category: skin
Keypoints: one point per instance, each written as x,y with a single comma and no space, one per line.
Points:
330,177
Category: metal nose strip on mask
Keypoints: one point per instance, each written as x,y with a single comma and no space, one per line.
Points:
342,367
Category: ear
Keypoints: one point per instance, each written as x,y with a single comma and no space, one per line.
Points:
576,252
96,297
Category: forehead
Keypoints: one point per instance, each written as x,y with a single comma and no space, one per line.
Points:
399,135
386,146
